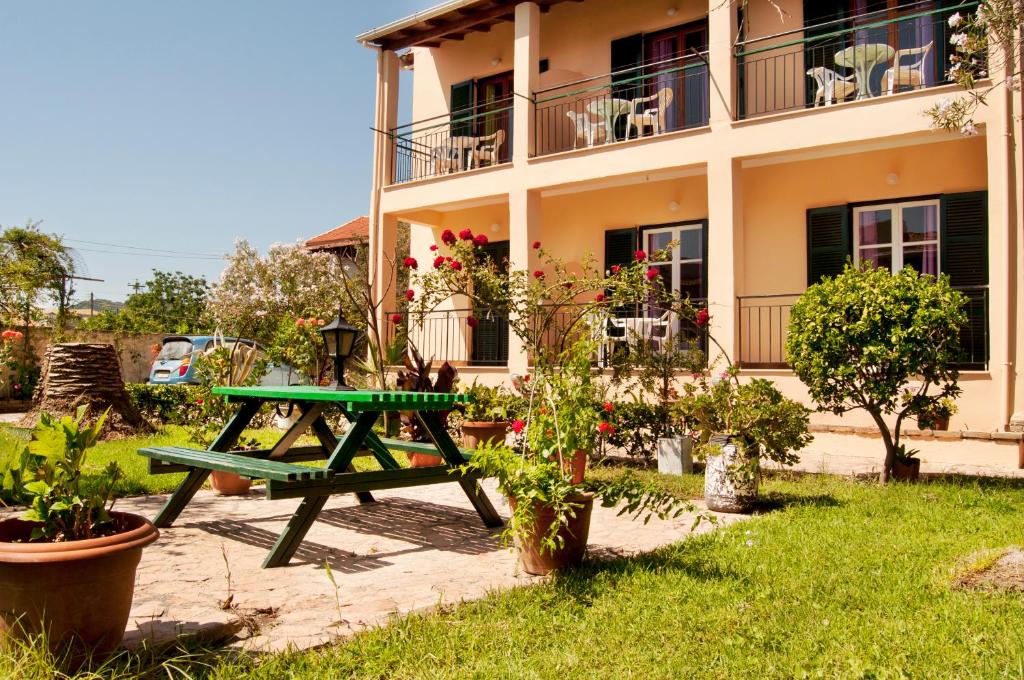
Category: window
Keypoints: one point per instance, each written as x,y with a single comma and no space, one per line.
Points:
684,270
898,235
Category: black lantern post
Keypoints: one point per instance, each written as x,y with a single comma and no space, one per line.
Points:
340,339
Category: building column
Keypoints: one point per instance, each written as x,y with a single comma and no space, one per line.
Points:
383,228
525,80
722,27
725,252
524,227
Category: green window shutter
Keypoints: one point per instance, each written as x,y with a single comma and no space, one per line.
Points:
627,53
620,245
460,106
829,242
964,258
704,258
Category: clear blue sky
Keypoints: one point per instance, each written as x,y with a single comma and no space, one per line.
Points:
185,125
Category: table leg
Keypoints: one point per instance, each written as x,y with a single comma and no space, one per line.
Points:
323,433
341,459
451,454
376,447
195,478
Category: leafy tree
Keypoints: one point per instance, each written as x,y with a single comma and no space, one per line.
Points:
172,302
34,267
869,339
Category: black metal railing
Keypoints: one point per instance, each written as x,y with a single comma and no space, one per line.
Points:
855,57
647,100
459,336
462,140
764,322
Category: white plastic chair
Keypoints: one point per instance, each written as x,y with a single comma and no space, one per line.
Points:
586,129
831,86
488,150
653,117
911,73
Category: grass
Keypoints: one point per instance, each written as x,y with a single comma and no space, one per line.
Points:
839,579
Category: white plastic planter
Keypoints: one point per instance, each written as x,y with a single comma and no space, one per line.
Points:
675,455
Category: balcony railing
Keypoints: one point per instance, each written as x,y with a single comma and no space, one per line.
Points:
857,57
648,100
764,323
462,140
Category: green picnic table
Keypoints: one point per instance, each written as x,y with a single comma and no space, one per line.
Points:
284,479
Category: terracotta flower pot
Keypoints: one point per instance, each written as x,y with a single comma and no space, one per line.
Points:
934,423
229,483
475,433
576,464
724,489
907,470
418,460
574,533
78,592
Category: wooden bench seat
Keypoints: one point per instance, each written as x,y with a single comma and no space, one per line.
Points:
419,447
246,466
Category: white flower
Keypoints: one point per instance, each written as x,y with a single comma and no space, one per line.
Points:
942,106
969,129
750,543
958,39
955,20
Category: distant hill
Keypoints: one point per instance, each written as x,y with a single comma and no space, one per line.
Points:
101,305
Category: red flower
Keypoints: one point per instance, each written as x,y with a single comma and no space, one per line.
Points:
411,263
568,285
199,401
456,265
300,322
616,269
311,321
438,261
526,378
410,294
640,256
396,318
608,407
518,425
536,245
652,273
480,240
9,335
603,428
599,297
538,274
448,236
472,321
702,318
466,234
433,247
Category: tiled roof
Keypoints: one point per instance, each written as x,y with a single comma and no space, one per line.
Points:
352,232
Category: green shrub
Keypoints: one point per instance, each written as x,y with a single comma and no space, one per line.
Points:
638,426
166,404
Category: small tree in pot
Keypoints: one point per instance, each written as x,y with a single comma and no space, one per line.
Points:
486,417
67,566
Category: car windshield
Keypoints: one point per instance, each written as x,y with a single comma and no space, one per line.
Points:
175,350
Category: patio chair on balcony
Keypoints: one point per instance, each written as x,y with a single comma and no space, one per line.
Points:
910,74
587,131
487,150
647,329
652,117
831,86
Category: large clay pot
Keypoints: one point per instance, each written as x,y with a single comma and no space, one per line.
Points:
477,432
78,592
229,483
906,470
574,534
725,490
418,460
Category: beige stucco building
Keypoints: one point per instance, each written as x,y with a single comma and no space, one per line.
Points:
774,141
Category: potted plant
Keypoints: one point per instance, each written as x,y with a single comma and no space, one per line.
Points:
935,415
416,378
486,417
67,565
907,466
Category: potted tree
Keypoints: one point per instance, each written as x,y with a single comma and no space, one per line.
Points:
67,565
936,415
486,417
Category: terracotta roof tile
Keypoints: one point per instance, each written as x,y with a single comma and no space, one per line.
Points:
353,231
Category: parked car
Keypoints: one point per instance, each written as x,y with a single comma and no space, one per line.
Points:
175,362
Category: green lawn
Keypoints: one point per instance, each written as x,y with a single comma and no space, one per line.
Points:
837,579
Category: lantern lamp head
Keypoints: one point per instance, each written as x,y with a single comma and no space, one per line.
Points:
340,340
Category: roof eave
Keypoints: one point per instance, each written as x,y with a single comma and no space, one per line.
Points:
370,38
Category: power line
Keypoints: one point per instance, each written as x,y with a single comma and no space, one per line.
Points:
152,250
145,255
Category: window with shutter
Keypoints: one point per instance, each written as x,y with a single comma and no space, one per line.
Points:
461,108
619,248
964,235
829,242
490,337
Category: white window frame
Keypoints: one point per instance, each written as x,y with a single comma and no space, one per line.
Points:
675,231
896,245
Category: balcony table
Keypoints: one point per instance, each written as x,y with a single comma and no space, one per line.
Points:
863,59
610,108
314,485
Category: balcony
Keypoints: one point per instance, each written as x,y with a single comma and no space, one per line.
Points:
475,137
764,322
856,57
652,99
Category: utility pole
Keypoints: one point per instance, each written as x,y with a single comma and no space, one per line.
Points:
136,287
92,304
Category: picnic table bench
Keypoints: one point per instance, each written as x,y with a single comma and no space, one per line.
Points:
314,485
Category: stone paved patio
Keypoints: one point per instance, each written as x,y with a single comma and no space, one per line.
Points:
413,549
